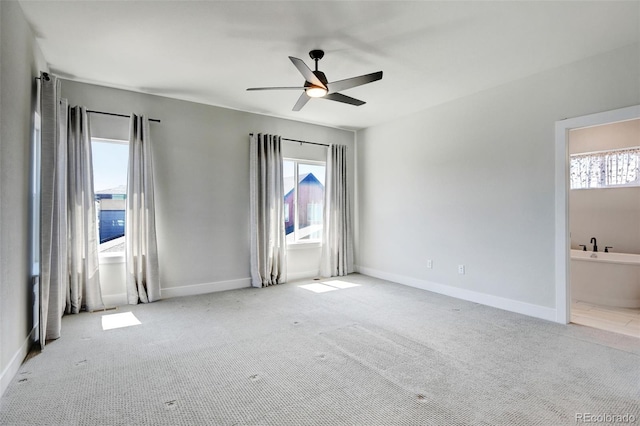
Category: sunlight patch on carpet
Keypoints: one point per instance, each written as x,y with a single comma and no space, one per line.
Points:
340,284
318,288
126,319
328,286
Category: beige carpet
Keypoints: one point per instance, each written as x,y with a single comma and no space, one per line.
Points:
373,354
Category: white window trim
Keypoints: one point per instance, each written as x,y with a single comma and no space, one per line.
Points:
107,140
302,244
110,257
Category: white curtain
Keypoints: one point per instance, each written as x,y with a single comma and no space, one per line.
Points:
64,249
141,251
337,243
268,246
84,279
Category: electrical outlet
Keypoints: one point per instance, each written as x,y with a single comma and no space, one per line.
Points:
429,264
461,269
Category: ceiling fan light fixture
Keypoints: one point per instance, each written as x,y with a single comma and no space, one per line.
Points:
316,84
316,92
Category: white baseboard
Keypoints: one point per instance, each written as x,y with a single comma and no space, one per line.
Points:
195,289
511,305
301,275
16,361
113,300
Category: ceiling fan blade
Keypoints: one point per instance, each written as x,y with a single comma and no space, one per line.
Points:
348,83
276,88
302,101
339,97
306,72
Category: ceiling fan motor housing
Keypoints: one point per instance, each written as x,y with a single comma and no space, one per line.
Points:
321,77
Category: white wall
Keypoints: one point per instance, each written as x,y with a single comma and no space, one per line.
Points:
624,134
472,182
20,61
611,215
201,160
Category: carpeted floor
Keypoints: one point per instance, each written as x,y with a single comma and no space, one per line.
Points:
373,354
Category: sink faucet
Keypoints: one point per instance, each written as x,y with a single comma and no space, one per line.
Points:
595,245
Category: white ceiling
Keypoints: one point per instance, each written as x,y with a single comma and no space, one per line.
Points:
430,52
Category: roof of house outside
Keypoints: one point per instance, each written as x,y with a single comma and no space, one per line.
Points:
306,178
122,189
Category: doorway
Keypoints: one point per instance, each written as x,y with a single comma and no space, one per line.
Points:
604,224
563,237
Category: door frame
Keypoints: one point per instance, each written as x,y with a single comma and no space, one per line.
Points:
562,236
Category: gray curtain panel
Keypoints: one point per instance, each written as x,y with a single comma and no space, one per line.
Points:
268,245
53,210
84,278
68,247
141,250
337,243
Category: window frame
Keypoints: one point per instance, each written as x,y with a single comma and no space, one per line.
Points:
36,164
108,257
299,242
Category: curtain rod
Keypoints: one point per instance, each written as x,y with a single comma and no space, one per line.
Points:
299,141
118,115
46,77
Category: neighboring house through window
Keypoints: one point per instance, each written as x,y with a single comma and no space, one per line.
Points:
110,163
303,200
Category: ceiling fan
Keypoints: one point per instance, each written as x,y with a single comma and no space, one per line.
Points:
316,84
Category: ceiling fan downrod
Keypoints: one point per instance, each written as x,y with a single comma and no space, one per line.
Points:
316,55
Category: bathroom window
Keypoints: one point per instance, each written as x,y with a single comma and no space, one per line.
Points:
605,169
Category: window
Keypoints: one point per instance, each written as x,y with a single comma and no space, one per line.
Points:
110,163
303,200
35,195
605,169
